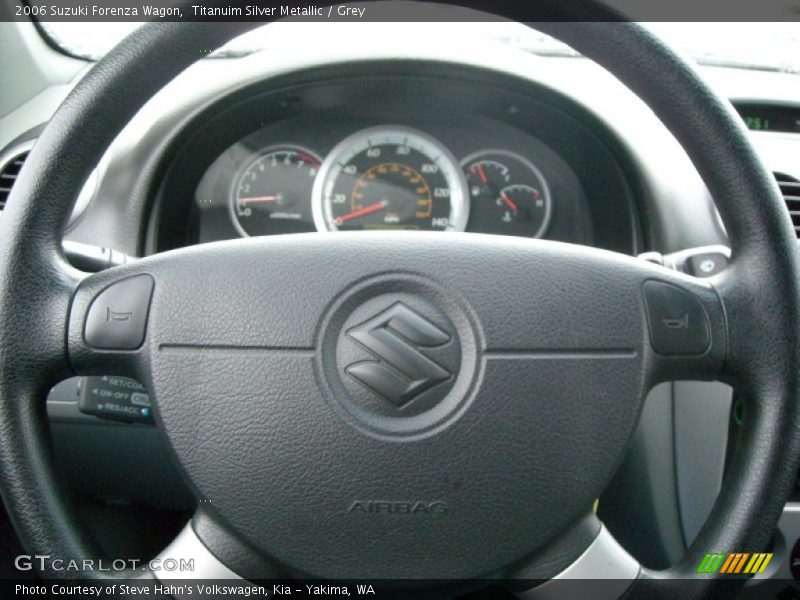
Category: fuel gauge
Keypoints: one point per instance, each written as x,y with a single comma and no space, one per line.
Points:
509,195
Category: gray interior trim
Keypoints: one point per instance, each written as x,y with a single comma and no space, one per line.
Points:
640,506
604,560
34,78
701,416
187,546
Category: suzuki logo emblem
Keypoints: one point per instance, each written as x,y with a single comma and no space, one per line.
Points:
395,337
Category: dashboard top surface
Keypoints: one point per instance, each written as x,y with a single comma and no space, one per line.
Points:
675,207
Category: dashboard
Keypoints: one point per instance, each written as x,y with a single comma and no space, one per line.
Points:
358,150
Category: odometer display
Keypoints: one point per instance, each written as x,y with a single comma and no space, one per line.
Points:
390,178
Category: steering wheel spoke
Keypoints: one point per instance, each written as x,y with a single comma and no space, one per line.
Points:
604,570
205,549
192,558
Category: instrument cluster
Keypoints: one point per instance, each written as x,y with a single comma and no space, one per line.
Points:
403,145
377,177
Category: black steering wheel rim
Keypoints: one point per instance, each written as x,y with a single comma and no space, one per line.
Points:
760,290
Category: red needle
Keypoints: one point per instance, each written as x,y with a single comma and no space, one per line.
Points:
361,211
482,173
256,199
511,204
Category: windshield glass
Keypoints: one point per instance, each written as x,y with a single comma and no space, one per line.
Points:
771,46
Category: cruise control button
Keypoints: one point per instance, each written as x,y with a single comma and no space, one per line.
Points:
678,322
118,315
115,398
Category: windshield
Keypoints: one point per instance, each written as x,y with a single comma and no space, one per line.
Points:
770,46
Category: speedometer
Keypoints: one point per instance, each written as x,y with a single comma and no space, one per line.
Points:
390,178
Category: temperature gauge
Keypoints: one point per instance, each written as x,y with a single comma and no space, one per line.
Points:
509,195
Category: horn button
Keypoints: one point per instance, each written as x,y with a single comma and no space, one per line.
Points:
427,406
391,358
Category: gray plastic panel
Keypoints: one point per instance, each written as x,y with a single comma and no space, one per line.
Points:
702,416
640,506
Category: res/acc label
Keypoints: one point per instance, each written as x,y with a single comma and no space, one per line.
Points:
115,398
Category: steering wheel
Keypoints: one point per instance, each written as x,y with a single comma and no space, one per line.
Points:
389,408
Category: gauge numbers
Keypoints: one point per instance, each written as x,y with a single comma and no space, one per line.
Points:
390,178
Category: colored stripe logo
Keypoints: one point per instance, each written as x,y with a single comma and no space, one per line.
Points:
735,563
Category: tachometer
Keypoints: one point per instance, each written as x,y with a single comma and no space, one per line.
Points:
272,193
390,178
